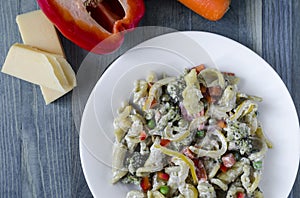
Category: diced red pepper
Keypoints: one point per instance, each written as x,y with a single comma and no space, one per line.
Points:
163,176
223,168
145,184
240,195
221,124
228,160
206,92
143,135
203,89
210,99
164,142
199,68
153,103
187,152
228,73
89,22
200,170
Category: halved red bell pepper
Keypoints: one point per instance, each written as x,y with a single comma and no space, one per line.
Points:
88,23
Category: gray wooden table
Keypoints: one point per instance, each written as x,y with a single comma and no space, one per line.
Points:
39,154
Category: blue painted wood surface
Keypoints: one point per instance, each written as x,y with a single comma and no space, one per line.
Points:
39,154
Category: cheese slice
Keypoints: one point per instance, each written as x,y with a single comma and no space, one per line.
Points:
36,30
68,71
51,95
35,66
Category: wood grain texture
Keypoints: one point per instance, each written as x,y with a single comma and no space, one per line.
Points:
39,144
281,48
39,154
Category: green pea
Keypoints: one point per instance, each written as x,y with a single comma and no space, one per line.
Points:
257,165
164,190
200,133
151,124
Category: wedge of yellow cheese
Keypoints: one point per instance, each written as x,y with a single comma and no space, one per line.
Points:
36,30
50,94
35,66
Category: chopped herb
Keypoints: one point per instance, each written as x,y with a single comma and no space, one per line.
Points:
200,133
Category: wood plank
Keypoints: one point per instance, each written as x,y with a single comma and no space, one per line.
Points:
296,57
166,13
10,127
280,42
41,157
251,25
242,23
295,90
277,37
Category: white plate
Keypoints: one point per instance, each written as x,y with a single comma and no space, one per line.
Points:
277,111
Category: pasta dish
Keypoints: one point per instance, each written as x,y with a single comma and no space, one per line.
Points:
195,135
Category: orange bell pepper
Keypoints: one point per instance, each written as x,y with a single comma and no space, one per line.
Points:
210,9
